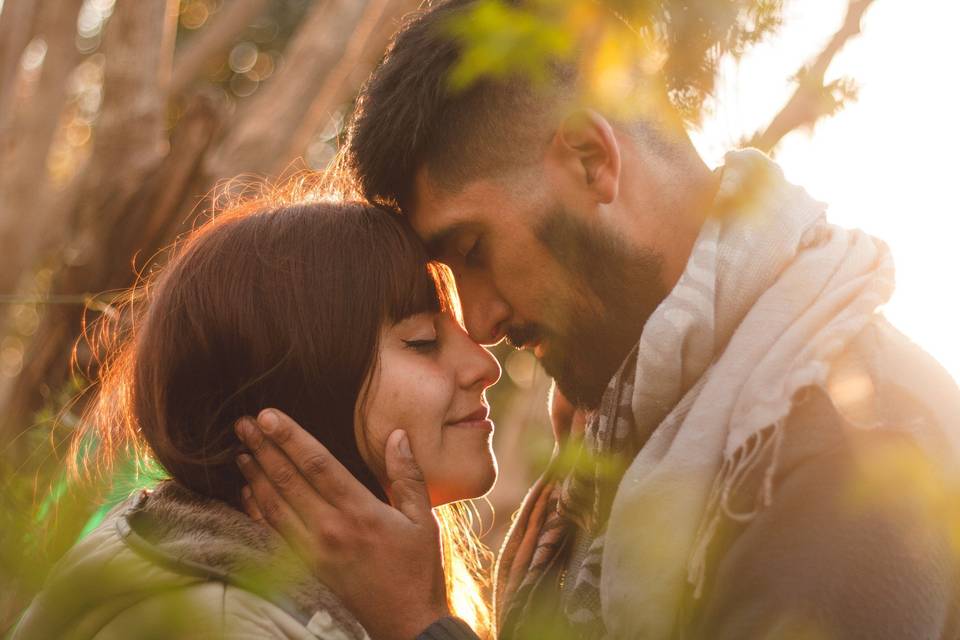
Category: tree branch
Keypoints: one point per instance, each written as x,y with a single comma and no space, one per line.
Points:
363,51
212,41
264,130
813,99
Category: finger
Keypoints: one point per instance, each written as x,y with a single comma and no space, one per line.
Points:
281,472
321,469
272,508
250,505
408,491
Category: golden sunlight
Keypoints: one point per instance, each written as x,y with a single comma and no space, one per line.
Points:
887,162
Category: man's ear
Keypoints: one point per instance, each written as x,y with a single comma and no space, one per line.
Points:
585,142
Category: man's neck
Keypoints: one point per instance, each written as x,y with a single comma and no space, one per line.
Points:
678,198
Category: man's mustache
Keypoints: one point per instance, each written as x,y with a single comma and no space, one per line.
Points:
519,336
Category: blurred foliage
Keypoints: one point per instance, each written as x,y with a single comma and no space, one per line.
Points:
500,40
624,49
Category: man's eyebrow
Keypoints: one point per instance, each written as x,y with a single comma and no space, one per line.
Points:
438,240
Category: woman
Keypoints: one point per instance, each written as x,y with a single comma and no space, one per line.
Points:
329,311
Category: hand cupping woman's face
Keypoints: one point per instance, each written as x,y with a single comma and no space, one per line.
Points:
429,379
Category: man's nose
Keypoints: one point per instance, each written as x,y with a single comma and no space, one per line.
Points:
485,312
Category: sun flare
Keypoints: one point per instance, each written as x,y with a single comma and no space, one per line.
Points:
886,163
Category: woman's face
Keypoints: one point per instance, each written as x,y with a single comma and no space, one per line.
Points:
429,380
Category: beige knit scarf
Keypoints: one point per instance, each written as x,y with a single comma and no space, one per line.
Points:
771,293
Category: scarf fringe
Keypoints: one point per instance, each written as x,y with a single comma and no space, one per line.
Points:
734,472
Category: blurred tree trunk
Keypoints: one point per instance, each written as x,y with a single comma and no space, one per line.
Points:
141,183
23,181
213,41
129,146
265,126
362,52
16,29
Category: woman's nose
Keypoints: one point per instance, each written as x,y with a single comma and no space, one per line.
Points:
477,366
491,368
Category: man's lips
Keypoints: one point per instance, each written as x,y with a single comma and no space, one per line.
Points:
525,336
539,349
536,347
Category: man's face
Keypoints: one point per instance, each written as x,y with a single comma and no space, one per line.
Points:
532,268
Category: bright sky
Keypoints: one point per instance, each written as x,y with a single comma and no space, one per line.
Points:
887,163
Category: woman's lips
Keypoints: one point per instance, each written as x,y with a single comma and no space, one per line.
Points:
477,419
474,424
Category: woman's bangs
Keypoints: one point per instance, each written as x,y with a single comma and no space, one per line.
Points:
407,285
416,285
446,289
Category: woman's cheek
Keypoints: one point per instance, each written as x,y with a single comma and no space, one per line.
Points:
422,398
411,392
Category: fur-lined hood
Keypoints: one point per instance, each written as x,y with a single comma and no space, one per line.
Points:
171,539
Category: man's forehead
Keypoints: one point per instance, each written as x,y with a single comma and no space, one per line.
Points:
425,209
437,214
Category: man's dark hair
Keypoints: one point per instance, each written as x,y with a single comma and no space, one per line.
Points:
407,116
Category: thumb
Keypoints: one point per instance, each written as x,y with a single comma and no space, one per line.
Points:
408,491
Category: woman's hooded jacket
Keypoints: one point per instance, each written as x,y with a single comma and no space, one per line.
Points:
171,564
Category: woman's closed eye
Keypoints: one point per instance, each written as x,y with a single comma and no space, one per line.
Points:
422,345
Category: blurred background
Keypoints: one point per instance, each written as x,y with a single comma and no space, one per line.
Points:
120,122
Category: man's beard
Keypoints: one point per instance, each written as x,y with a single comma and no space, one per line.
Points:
627,284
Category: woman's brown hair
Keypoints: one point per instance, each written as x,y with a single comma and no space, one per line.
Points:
276,306
272,308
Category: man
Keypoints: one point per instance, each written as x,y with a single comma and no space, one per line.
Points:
763,455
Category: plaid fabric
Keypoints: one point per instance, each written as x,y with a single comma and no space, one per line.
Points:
573,503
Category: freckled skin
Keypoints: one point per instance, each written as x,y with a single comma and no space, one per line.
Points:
424,390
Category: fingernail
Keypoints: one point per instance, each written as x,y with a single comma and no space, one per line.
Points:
246,492
268,420
243,459
242,427
404,445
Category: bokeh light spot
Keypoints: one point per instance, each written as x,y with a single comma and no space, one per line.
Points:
243,56
521,366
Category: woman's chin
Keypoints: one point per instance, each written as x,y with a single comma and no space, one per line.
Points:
470,483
